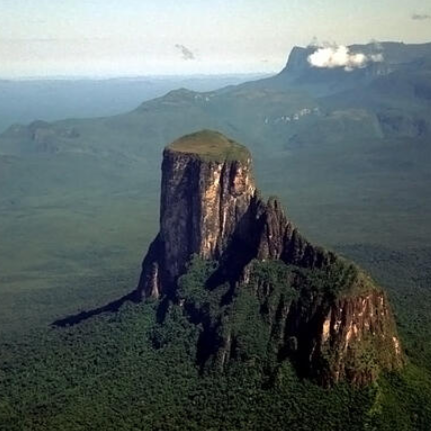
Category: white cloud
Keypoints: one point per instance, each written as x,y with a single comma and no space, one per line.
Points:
340,56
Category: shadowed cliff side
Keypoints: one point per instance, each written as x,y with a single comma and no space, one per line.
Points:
313,307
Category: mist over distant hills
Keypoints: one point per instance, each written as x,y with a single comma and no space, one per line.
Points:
390,97
27,99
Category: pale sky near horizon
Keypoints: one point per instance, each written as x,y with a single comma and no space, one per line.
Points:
141,37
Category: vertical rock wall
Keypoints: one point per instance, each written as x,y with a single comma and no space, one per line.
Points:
204,199
202,203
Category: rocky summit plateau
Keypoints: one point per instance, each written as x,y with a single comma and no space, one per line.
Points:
232,263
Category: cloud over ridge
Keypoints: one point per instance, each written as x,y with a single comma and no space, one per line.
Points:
340,56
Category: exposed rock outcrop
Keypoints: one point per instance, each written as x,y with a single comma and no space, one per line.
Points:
351,336
323,312
205,195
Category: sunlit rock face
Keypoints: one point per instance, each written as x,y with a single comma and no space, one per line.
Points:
202,203
336,327
206,192
351,337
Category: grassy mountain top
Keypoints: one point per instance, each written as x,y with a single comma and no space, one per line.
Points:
210,145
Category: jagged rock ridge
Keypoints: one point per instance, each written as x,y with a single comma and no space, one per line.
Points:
330,318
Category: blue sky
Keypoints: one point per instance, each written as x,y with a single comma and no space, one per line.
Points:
139,37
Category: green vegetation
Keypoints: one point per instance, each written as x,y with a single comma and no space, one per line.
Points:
115,380
78,206
210,145
335,201
124,371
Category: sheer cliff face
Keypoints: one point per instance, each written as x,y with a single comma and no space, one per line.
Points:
337,324
355,327
350,337
202,204
206,192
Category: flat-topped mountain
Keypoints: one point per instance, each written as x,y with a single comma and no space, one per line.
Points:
223,251
238,305
206,190
209,145
303,105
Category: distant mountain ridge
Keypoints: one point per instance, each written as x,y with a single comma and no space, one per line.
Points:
322,81
394,95
395,54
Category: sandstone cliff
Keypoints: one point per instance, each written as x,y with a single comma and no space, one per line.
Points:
206,191
310,305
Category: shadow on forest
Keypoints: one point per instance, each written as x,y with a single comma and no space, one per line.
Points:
111,307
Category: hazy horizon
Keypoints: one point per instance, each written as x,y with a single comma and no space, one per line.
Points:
135,38
134,77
